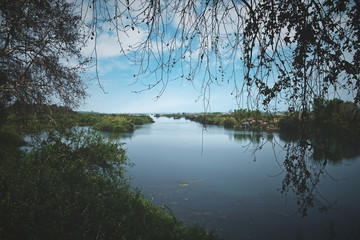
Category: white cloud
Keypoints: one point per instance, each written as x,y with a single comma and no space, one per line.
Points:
108,46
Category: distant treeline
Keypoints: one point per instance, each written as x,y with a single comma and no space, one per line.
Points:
238,119
330,115
57,117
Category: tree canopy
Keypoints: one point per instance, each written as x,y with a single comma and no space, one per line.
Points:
268,51
40,55
271,51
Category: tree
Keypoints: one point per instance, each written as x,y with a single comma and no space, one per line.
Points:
40,54
271,51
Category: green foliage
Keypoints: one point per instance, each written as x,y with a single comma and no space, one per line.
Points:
140,120
211,118
230,122
118,123
327,116
9,137
72,186
241,114
39,119
290,121
62,118
114,123
256,119
170,115
336,114
37,39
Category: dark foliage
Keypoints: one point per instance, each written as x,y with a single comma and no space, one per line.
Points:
40,57
72,186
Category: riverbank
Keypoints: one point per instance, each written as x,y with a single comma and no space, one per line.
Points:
237,119
326,116
71,185
54,117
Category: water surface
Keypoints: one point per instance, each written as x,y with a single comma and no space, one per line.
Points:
240,184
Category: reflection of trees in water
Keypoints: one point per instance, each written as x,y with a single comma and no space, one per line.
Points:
302,177
330,147
305,163
335,149
254,139
119,135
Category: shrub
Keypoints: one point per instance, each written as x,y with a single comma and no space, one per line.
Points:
72,186
230,122
290,121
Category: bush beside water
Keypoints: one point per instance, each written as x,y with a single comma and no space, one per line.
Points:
72,186
62,117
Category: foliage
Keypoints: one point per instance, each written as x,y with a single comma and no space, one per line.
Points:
116,124
170,115
290,121
209,118
63,117
239,119
38,41
39,118
141,119
230,122
326,116
72,186
336,113
10,137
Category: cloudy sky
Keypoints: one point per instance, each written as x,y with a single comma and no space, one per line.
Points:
122,93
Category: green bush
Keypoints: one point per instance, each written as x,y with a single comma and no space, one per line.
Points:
289,122
72,186
114,123
139,120
230,122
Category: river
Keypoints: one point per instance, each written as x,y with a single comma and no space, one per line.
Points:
246,185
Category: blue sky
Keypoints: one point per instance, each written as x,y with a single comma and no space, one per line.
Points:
116,76
179,96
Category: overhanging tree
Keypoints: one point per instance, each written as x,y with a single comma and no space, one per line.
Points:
40,55
271,51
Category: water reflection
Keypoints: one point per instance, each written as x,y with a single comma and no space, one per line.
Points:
305,164
302,176
253,141
254,137
329,147
118,135
225,189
